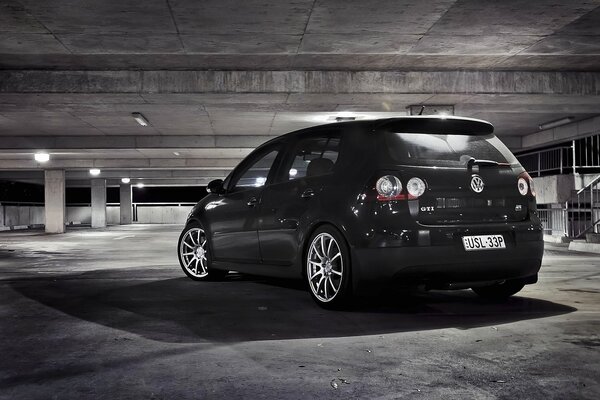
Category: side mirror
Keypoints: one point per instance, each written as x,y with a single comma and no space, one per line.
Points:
215,186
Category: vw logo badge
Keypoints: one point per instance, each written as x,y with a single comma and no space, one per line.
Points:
477,184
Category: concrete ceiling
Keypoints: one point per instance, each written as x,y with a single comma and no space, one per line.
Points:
300,34
217,78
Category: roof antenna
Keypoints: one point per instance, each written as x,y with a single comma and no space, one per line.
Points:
422,109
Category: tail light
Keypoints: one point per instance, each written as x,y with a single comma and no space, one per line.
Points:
525,184
389,187
415,187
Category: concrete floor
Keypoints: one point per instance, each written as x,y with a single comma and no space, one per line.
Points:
109,314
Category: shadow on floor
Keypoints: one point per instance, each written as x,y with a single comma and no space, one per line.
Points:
245,308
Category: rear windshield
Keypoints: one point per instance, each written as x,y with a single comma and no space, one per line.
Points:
445,150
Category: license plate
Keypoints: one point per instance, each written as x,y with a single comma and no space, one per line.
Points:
483,242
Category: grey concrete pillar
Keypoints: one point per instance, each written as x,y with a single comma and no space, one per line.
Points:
54,200
126,211
98,203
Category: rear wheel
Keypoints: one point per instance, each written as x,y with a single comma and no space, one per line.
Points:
327,263
500,291
194,255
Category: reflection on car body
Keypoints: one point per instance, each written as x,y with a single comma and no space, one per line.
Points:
347,207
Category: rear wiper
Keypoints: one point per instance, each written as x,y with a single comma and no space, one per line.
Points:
485,163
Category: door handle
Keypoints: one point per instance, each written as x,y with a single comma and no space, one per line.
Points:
307,194
252,202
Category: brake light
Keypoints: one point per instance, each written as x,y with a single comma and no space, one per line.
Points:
389,187
525,184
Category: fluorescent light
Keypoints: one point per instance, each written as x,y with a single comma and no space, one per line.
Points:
555,123
140,119
125,180
94,172
140,185
41,157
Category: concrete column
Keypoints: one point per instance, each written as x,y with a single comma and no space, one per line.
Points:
54,200
98,203
125,198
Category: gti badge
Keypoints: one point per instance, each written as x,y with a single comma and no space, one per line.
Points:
477,184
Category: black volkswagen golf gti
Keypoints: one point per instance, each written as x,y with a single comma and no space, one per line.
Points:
351,206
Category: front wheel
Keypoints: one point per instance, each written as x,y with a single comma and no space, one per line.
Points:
327,262
194,256
500,291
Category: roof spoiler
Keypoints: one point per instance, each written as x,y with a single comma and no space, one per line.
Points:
436,125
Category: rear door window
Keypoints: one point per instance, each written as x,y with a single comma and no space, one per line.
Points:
313,156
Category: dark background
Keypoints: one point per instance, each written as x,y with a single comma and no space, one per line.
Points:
32,193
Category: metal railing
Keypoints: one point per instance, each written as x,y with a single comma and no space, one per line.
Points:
586,152
555,221
582,155
585,209
579,216
552,160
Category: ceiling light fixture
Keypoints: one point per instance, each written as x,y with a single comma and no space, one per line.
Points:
41,157
555,123
176,153
125,180
94,172
140,119
140,185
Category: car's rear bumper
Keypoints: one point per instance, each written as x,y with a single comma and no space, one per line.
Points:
445,263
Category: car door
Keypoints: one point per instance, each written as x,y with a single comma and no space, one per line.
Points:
233,219
295,190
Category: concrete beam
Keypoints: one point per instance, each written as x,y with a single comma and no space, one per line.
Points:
118,174
171,142
148,182
117,182
119,163
512,142
113,177
310,62
587,127
456,82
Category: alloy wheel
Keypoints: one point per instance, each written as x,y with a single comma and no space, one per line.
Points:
193,249
325,267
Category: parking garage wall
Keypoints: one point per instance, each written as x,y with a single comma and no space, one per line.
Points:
14,216
24,216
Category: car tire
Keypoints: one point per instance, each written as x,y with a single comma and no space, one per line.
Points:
327,268
499,291
193,251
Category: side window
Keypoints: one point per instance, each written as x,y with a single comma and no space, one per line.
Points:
314,156
255,175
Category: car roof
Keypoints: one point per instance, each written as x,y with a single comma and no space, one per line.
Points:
434,124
